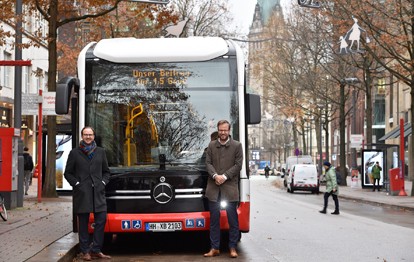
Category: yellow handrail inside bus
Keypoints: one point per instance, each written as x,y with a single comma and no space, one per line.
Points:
154,131
129,127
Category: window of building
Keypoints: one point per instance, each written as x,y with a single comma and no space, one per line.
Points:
379,103
39,79
7,73
44,82
26,79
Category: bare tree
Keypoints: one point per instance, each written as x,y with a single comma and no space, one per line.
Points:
389,24
207,17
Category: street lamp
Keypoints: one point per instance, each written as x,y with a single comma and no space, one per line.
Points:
342,127
320,137
352,81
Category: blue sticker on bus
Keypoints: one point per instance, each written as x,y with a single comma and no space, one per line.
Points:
136,224
200,222
126,224
189,223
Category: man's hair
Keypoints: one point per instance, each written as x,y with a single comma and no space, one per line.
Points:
219,123
26,148
88,127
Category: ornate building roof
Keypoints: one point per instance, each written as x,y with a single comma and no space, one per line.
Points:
267,8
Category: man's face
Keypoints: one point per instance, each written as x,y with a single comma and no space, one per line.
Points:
223,132
88,136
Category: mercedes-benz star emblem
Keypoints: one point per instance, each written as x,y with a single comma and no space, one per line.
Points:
162,193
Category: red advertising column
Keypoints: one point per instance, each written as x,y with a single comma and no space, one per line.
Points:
402,157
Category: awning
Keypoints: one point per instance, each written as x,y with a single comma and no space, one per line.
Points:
396,132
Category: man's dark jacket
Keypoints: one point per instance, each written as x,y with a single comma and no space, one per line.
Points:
224,160
91,175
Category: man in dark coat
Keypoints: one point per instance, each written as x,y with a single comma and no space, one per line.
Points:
224,161
87,172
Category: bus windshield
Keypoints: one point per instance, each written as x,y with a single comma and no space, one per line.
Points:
148,113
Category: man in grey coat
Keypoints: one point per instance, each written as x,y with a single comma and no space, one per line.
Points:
87,172
224,161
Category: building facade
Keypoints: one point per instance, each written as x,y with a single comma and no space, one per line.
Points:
271,140
34,77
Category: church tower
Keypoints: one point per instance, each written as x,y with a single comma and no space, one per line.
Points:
268,14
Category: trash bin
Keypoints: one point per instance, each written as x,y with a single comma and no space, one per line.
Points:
396,183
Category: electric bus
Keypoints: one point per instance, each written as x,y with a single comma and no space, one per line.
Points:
154,104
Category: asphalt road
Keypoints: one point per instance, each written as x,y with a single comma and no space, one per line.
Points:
386,214
288,227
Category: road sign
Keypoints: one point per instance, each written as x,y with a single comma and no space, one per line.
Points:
30,104
356,141
49,101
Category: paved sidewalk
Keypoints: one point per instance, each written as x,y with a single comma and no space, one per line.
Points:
39,232
356,192
37,227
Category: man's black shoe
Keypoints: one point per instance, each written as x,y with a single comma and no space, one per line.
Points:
322,211
336,212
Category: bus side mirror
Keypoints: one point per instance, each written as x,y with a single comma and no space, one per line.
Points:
253,111
63,92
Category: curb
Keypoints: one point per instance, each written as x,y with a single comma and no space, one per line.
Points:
376,203
62,250
373,202
72,253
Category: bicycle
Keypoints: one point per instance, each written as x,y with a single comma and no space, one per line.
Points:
3,210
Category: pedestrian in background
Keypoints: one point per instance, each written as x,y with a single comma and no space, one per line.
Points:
87,172
267,170
376,175
331,188
28,168
224,162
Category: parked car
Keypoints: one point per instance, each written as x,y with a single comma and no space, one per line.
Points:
301,159
303,177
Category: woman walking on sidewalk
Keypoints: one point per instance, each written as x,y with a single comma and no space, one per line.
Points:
331,188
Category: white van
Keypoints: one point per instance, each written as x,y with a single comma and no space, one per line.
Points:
293,160
303,177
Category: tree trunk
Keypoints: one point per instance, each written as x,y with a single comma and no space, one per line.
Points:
411,144
49,187
326,129
342,151
368,94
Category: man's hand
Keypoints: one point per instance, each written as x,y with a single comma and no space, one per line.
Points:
220,179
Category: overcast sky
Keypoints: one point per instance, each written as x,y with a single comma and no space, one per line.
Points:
243,12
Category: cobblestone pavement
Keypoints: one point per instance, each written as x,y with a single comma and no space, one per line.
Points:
35,226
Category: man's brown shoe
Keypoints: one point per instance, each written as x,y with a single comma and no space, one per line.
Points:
99,255
233,253
212,253
86,257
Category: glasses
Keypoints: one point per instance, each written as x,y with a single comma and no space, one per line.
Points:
87,134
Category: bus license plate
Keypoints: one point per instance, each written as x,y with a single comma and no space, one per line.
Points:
164,226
